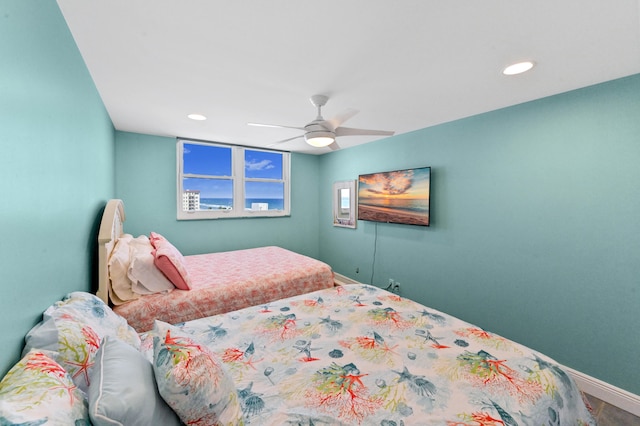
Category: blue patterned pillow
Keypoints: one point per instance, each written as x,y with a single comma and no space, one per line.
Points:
37,390
73,329
92,310
192,380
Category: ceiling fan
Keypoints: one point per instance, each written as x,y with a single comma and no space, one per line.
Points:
320,132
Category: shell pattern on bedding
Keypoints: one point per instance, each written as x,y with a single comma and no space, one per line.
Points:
360,355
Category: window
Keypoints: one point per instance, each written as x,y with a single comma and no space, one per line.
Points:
218,181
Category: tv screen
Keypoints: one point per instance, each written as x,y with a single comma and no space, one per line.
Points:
400,196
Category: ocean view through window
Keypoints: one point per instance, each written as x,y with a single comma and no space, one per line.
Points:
224,181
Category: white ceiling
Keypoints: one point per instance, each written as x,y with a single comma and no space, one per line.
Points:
405,65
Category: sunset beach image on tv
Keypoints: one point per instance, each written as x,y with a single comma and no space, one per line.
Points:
400,196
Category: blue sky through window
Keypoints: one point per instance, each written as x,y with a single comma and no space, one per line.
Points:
261,164
206,160
217,161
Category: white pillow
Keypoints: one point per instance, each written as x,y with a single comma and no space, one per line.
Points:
118,271
145,277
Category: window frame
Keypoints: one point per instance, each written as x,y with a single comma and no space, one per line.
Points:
238,180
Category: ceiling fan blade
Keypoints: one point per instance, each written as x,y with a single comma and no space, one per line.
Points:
334,146
342,117
275,125
348,131
285,140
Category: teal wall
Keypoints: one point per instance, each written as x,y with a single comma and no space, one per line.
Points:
56,167
146,182
535,228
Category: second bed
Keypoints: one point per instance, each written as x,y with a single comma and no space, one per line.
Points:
217,282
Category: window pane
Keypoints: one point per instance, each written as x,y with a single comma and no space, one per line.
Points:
261,164
206,160
227,181
207,194
264,196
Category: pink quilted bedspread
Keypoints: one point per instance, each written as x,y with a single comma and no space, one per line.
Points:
227,281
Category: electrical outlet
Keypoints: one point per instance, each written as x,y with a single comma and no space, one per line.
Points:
396,288
391,284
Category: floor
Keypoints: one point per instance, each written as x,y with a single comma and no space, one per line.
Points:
609,415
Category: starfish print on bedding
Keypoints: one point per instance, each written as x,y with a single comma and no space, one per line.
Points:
437,318
304,346
356,300
427,336
92,341
84,367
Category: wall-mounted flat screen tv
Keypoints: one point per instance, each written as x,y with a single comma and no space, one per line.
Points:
400,196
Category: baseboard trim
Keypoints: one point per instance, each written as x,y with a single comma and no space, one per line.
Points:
340,279
610,394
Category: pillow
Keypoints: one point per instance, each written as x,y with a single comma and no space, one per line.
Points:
37,390
192,381
170,261
123,390
154,238
73,328
146,278
118,272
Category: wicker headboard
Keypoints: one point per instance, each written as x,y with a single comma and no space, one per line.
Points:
111,227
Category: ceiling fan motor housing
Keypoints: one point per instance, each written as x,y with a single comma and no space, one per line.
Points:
319,133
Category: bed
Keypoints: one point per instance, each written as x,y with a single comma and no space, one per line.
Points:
347,355
176,288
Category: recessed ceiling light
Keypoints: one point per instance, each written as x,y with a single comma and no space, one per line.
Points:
518,68
198,117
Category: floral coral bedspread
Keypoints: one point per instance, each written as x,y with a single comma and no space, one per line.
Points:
227,281
357,354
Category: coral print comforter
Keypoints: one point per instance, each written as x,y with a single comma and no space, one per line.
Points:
358,355
226,281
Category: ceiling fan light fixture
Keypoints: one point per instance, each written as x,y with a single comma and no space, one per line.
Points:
319,138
